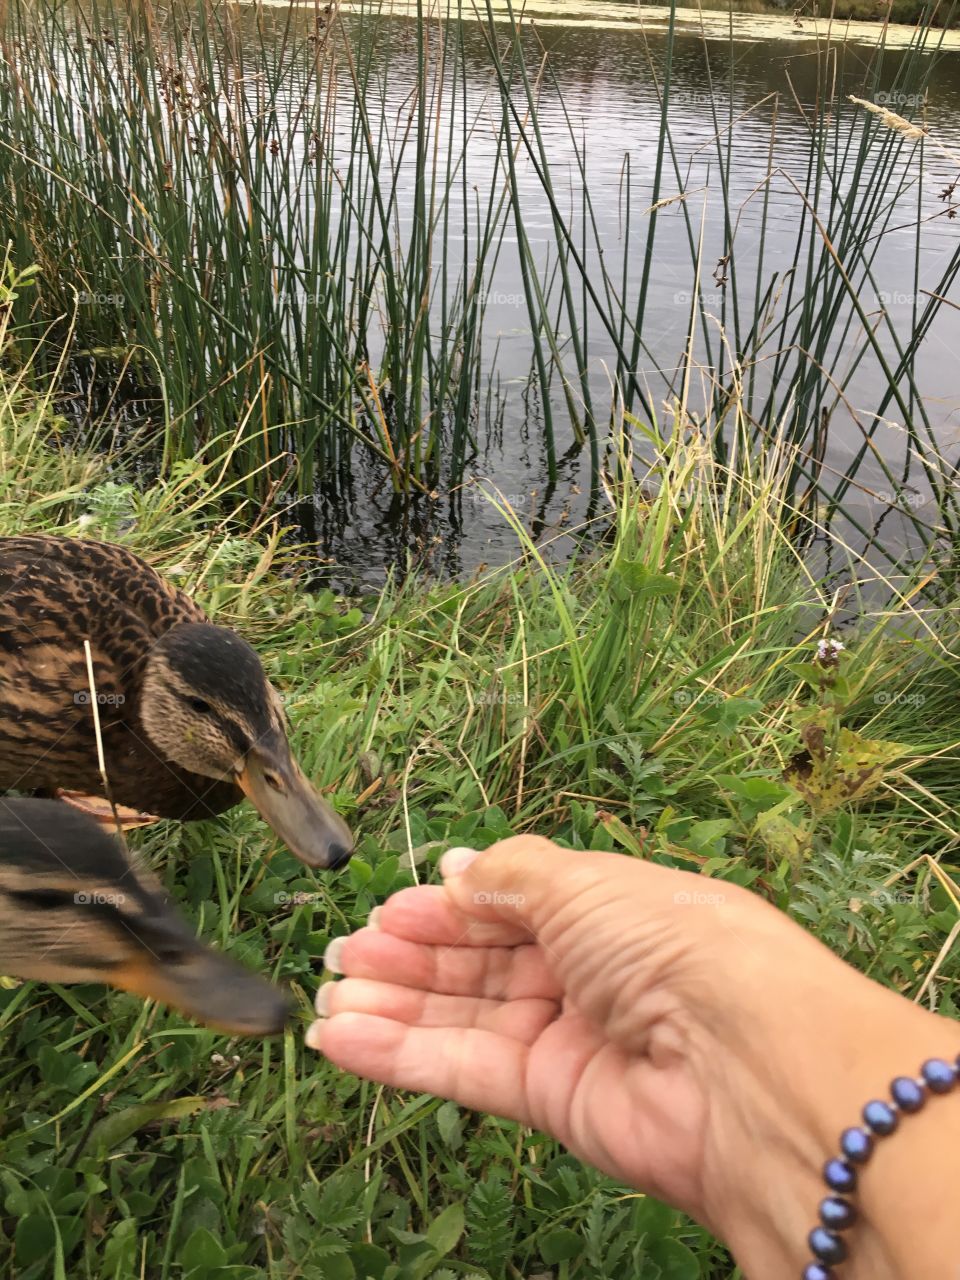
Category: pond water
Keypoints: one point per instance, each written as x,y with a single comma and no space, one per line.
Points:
605,58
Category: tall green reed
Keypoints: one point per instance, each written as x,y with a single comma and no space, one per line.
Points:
192,180
782,349
300,262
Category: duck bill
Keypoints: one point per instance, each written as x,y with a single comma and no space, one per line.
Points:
310,827
209,988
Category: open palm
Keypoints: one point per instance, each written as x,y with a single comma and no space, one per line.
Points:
562,1007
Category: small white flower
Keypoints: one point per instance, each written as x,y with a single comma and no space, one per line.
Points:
828,649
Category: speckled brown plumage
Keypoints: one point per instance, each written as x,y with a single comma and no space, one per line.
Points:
54,594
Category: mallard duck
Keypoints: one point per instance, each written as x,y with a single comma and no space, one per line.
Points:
188,718
75,908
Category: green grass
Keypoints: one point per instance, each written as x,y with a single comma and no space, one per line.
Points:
646,699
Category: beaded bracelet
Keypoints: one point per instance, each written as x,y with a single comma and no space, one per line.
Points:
856,1147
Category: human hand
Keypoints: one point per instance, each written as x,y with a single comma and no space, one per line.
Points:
668,1029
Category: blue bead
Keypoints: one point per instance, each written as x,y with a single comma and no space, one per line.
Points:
907,1094
837,1213
816,1271
880,1117
838,1176
856,1145
939,1075
825,1246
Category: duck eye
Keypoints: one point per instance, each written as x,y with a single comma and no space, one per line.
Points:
197,704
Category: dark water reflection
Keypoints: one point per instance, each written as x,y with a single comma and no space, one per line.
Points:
609,97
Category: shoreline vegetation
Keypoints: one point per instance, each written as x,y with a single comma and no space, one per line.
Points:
173,173
794,20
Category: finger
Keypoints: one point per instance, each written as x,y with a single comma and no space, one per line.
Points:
526,879
472,1067
521,1020
530,881
494,973
429,914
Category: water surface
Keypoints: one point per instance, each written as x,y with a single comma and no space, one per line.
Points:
600,105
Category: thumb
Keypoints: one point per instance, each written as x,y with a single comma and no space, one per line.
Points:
579,906
529,880
508,882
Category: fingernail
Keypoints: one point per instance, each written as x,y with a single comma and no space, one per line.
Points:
322,1000
373,919
314,1034
456,860
332,955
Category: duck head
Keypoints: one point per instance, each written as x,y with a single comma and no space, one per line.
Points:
208,706
74,908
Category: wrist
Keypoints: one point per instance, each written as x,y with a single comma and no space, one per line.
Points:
813,1043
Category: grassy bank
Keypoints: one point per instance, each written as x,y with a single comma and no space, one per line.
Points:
614,13
908,13
650,698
